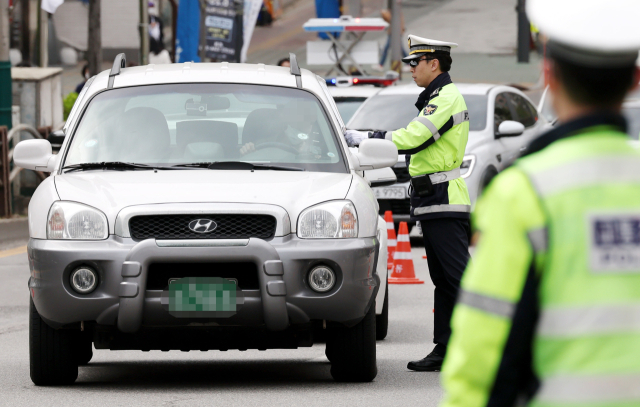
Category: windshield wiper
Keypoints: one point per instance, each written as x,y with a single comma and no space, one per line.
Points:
239,165
110,164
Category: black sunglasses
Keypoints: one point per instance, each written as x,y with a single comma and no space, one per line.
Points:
415,62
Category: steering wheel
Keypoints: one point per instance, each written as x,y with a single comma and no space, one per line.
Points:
281,146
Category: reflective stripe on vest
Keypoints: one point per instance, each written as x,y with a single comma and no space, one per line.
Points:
576,174
487,304
455,120
461,117
432,127
539,239
591,320
444,176
441,208
590,389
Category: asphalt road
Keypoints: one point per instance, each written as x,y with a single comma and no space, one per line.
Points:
232,378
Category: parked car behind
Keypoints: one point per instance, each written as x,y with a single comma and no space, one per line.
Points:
349,99
630,110
502,123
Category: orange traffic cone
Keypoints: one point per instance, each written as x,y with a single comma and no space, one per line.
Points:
403,272
391,238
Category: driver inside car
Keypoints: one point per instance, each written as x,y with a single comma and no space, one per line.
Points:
297,121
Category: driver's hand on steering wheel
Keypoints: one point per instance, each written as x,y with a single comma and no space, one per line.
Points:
247,148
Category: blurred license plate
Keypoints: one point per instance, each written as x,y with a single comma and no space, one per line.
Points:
202,297
390,192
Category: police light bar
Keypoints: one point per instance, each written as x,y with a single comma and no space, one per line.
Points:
345,23
377,81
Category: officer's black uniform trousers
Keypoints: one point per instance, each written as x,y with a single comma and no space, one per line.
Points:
446,241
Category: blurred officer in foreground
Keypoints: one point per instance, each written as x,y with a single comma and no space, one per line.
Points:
434,144
549,308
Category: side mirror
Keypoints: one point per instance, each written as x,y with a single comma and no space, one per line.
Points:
375,153
382,177
34,155
56,139
510,128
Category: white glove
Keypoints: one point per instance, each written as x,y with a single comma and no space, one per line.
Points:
355,137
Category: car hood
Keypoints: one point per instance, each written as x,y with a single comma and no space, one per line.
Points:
477,139
111,191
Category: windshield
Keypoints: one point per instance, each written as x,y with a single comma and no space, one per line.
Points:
166,125
347,106
392,112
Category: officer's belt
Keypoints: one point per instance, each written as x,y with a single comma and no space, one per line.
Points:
444,176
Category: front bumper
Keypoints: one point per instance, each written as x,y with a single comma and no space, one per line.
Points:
282,264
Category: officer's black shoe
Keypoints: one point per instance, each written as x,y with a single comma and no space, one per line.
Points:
432,363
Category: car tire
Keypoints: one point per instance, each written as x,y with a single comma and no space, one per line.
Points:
328,351
85,349
352,350
51,352
382,320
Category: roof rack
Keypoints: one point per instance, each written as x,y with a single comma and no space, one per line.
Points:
295,69
118,63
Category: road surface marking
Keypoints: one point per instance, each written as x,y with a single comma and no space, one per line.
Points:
13,252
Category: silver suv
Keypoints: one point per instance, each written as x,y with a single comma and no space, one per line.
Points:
205,206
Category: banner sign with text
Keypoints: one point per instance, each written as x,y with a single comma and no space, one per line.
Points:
223,30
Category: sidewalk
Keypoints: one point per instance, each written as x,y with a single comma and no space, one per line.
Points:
484,29
486,32
271,43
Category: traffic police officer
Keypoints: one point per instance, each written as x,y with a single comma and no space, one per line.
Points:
434,144
549,308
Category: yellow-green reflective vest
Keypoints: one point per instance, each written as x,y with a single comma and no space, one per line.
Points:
436,140
549,308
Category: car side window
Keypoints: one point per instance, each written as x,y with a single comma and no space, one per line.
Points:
524,111
501,110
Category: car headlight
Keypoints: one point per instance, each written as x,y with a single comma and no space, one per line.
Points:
466,168
330,220
71,220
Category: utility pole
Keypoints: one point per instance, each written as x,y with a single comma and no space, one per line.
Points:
94,46
203,31
43,36
25,30
524,33
396,36
5,66
144,32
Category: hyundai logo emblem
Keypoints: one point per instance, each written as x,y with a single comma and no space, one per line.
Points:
203,225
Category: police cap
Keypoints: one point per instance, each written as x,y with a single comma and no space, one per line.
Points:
591,33
419,46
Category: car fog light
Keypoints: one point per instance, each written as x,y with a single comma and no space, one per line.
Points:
84,280
322,279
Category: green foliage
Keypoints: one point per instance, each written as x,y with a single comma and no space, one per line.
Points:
68,103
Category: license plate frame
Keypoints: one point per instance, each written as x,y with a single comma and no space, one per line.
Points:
202,297
391,192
